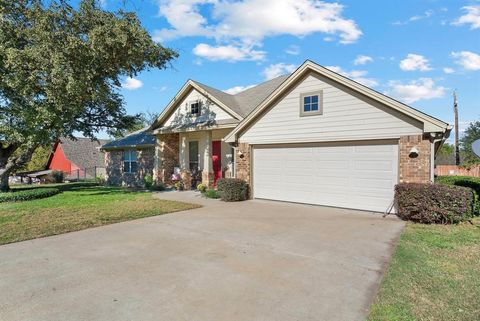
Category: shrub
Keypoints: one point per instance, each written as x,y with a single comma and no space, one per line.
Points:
232,189
202,187
211,193
148,180
157,187
433,203
55,177
465,181
179,186
100,179
28,194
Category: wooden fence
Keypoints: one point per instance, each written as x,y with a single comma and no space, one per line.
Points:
453,170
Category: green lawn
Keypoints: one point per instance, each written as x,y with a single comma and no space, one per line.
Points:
434,275
79,206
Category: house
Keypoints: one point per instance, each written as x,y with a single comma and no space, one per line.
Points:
130,158
80,158
313,136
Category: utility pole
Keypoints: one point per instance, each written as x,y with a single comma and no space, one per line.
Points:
455,111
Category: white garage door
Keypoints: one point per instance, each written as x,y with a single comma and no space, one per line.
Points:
360,176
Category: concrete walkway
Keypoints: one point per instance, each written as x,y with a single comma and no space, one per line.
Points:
254,260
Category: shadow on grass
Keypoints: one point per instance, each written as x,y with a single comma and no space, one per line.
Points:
62,187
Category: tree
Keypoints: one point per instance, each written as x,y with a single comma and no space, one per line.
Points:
38,160
446,150
471,134
145,119
60,71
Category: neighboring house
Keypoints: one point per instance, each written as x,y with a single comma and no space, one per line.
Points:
313,137
78,159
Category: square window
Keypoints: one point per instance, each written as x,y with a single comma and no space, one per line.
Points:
311,104
195,108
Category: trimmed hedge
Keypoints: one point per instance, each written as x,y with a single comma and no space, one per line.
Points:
434,203
232,189
465,181
28,194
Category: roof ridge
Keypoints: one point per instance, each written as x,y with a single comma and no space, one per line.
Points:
261,84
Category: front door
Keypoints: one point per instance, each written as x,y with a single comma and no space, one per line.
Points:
217,160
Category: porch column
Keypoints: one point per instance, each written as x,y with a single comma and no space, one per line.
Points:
207,172
167,149
157,162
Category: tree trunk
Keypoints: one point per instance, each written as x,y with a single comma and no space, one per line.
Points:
4,186
8,163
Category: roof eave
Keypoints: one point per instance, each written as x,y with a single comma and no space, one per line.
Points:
430,124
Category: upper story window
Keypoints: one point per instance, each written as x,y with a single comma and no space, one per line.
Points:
130,161
195,108
311,104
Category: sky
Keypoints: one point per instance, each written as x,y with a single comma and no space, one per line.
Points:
417,51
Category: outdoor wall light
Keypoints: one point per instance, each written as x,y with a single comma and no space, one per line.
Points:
413,152
241,154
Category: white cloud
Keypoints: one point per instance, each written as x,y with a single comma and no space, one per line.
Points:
362,60
427,14
237,89
421,89
448,70
467,59
356,75
471,17
131,84
415,62
228,52
293,50
249,22
276,70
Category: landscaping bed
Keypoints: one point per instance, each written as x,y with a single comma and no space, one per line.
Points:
79,206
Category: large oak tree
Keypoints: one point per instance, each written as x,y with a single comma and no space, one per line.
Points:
60,71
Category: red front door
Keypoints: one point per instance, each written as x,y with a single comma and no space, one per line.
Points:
217,160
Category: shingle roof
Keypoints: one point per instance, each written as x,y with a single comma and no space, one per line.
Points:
244,102
139,138
84,152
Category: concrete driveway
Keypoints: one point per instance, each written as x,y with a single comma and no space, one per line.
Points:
255,260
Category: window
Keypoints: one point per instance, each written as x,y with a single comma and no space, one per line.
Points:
193,156
311,104
195,108
130,161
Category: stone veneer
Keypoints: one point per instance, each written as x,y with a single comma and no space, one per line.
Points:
115,174
414,169
242,163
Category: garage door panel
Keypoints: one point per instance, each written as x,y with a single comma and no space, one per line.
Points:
361,176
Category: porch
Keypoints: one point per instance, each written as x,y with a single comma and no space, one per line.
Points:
193,157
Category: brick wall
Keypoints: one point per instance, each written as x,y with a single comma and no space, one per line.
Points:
115,174
170,156
414,169
242,163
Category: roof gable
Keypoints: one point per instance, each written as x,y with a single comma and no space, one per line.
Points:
218,98
83,152
430,124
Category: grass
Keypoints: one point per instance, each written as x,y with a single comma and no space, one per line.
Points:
79,206
434,275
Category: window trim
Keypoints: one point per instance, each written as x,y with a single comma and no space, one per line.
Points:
130,161
199,107
318,93
198,155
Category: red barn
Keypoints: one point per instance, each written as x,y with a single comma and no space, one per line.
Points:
78,159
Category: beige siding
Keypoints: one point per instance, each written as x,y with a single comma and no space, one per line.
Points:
201,137
345,117
210,111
